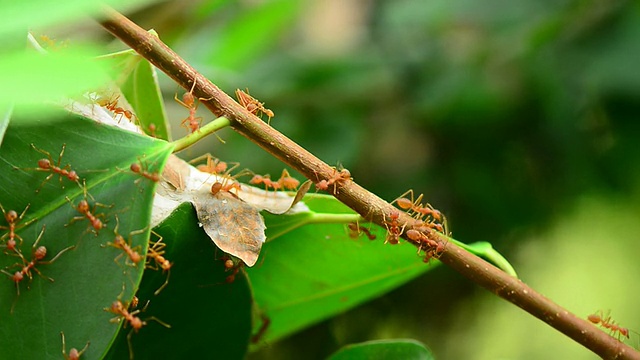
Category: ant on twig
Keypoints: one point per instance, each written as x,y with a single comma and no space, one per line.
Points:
252,104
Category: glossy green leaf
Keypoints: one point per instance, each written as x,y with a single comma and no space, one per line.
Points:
331,271
207,315
87,277
142,91
405,349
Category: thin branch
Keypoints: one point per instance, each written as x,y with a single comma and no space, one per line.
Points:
368,205
201,133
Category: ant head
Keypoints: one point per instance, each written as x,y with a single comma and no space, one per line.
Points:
44,164
73,176
228,264
11,216
135,167
74,354
83,206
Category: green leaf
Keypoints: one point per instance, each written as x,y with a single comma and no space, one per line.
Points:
384,349
87,279
251,33
138,82
20,15
206,314
57,75
331,271
142,91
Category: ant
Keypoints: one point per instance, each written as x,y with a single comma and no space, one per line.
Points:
417,208
393,228
422,239
47,165
152,130
229,265
252,104
266,180
85,210
226,186
119,243
121,310
288,182
214,166
37,254
156,252
607,323
192,122
112,105
355,229
338,176
74,354
142,168
13,219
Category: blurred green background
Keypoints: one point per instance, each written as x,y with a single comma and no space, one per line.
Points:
517,119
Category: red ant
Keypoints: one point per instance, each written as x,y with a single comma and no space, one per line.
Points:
112,105
607,323
338,176
37,254
85,210
393,228
266,180
192,122
288,182
121,310
355,229
213,166
13,219
74,354
152,130
226,186
229,265
120,243
47,165
434,248
417,207
156,252
253,105
142,168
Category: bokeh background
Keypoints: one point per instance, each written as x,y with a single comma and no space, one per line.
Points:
518,119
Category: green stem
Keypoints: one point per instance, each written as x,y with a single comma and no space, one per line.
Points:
204,131
320,218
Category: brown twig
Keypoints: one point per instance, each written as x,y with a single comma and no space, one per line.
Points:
359,199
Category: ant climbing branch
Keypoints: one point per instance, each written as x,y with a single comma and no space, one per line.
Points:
370,206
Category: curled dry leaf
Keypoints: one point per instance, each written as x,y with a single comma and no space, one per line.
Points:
231,218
